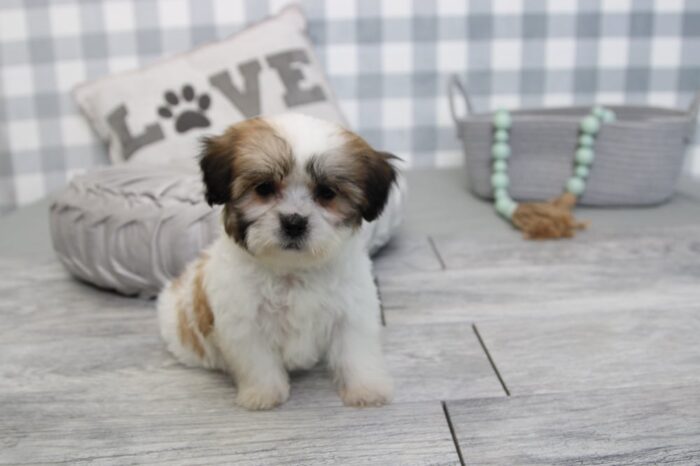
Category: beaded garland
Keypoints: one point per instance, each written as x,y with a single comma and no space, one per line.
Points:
584,156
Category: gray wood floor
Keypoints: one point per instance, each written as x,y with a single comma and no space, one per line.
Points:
504,352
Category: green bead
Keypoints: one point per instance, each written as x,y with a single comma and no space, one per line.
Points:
500,151
584,156
501,193
598,111
500,166
500,135
585,140
575,186
501,119
506,207
581,171
590,125
499,180
608,116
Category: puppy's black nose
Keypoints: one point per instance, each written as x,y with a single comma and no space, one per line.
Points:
294,225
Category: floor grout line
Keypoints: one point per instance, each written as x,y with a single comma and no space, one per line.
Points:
436,252
452,432
491,361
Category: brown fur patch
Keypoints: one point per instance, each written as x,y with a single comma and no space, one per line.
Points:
375,172
361,177
188,337
200,303
261,155
233,164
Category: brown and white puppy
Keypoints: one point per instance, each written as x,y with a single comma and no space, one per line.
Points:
290,283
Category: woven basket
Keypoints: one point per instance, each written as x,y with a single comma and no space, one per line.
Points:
639,157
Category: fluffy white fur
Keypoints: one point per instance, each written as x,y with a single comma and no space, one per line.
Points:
277,309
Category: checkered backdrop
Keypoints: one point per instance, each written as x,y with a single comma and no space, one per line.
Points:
387,60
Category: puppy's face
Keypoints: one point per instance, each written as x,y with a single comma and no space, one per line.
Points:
294,188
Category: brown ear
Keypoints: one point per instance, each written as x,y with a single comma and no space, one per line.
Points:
380,174
216,162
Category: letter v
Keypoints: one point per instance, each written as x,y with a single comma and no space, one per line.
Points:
248,100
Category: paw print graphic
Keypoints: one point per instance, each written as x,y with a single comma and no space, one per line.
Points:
192,115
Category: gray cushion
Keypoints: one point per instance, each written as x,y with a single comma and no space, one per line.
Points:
131,229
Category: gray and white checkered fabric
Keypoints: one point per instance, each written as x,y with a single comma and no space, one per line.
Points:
387,61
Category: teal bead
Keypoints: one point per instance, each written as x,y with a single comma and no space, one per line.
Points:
501,193
500,166
581,171
585,140
608,116
584,156
499,180
598,111
500,135
590,125
575,186
500,151
501,119
506,207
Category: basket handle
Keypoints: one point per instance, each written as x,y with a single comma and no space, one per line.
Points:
693,110
455,87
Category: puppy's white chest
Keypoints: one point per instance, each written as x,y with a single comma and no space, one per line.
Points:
294,321
277,308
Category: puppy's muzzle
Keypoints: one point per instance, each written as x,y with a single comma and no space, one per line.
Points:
294,226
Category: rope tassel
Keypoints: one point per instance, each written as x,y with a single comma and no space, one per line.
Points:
548,220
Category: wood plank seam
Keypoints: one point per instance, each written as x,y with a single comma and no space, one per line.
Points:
435,250
455,440
381,302
491,361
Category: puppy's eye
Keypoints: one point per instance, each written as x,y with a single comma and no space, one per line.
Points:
324,192
265,189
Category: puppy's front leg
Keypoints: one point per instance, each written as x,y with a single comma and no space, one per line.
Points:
358,365
260,376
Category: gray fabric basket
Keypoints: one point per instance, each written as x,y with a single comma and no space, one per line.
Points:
639,157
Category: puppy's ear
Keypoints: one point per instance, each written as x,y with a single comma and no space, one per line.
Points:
380,175
216,162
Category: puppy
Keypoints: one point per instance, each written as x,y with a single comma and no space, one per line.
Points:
290,282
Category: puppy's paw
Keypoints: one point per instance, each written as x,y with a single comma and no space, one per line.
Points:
261,397
367,394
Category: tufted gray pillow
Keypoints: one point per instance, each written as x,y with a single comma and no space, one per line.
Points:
133,228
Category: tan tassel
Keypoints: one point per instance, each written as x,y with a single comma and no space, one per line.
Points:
548,220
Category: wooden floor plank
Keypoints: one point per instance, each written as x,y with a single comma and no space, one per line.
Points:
427,362
439,362
620,349
460,251
195,433
102,332
405,254
496,292
485,281
606,427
